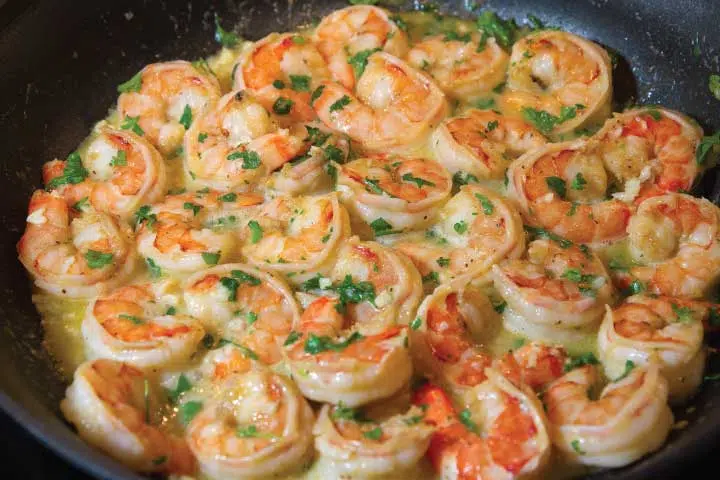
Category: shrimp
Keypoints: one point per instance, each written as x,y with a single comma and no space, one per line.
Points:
246,306
298,236
558,290
357,445
176,235
346,37
74,254
676,242
482,143
394,280
654,144
535,365
310,172
132,325
663,329
458,64
629,419
334,362
442,336
478,227
500,436
170,95
124,172
405,193
561,187
560,74
253,425
111,404
280,71
238,142
393,107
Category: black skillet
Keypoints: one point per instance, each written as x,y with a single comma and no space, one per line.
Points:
60,62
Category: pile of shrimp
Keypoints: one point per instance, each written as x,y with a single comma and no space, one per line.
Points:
359,251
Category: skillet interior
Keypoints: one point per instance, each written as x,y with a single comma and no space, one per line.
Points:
61,62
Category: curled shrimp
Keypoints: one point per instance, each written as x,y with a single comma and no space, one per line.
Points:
124,172
663,329
109,402
556,291
332,361
403,192
74,254
461,68
132,325
253,425
298,234
562,187
629,419
170,95
477,228
443,336
346,37
393,107
395,282
238,142
280,71
310,172
176,234
561,74
357,445
534,364
651,151
675,240
502,434
246,306
482,143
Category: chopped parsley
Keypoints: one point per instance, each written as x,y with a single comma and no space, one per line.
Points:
461,227
557,185
279,84
374,434
575,444
251,159
81,204
683,314
453,36
318,344
223,37
461,178
317,93
202,136
256,231
443,262
542,233
119,160
381,227
635,287
211,258
587,358
135,320
504,31
465,418
192,206
714,85
408,177
153,268
316,137
131,123
579,182
183,385
484,103
186,118
249,431
545,121
282,105
228,197
340,104
97,259
73,172
629,366
350,292
300,83
359,61
500,307
705,146
171,311
416,323
132,85
572,210
188,410
292,337
341,412
487,205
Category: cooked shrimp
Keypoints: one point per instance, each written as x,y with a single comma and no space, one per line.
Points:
561,187
280,71
534,365
459,65
442,334
246,306
675,239
557,290
346,37
403,192
334,362
662,329
238,142
132,325
482,143
395,282
502,435
560,74
74,254
394,107
656,145
629,419
175,234
254,425
298,234
170,96
478,227
309,173
356,445
111,404
124,172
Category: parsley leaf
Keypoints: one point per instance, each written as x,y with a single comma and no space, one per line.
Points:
374,434
465,418
292,337
443,262
351,292
487,205
182,386
97,259
119,160
461,227
300,83
186,118
684,314
317,93
359,61
705,146
545,121
131,123
714,85
132,85
341,412
251,159
381,227
461,178
575,444
408,177
223,37
211,258
340,104
317,344
282,105
416,323
504,31
73,172
578,182
256,231
587,358
188,410
153,268
629,366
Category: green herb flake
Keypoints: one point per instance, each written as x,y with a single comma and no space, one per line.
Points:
186,118
188,410
211,258
223,37
500,307
374,434
153,268
575,444
465,418
318,344
545,121
73,172
629,366
381,227
572,210
409,177
192,206
249,431
300,83
359,61
317,93
340,104
579,182
316,137
119,160
183,385
714,85
431,277
97,259
587,358
81,204
461,178
132,85
282,105
683,314
171,311
256,231
251,159
135,320
292,337
557,185
487,206
706,146
443,262
131,123
416,323
484,103
460,227
279,84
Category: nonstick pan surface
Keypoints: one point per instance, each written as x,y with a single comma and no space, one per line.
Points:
60,62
